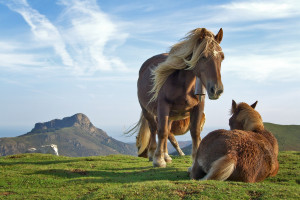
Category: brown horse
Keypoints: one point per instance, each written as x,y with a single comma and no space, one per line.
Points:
246,153
166,92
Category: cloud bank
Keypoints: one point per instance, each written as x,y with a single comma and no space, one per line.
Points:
85,39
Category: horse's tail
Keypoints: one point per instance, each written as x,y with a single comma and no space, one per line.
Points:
143,136
222,168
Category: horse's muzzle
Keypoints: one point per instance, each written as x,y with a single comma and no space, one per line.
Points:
214,91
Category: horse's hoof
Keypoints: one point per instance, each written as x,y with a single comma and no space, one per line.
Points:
182,154
162,165
159,163
168,159
190,169
150,159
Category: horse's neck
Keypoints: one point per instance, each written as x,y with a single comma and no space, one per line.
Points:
187,79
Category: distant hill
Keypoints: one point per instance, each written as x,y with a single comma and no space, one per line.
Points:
288,137
182,144
75,136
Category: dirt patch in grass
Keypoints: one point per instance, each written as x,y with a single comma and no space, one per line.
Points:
6,193
80,171
17,156
254,195
183,194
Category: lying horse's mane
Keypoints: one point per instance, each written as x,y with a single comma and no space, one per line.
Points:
251,119
183,55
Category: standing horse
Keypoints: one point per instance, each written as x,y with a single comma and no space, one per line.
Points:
166,92
247,153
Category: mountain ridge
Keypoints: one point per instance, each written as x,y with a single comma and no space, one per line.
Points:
75,136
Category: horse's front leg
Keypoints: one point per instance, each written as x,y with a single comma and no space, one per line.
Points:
196,126
163,131
167,157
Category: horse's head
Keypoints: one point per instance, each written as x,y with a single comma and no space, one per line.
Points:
245,117
208,66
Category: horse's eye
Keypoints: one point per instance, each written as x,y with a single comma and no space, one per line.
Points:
222,56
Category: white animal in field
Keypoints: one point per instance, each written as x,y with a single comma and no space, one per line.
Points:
46,149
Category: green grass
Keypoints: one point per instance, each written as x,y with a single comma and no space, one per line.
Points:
37,176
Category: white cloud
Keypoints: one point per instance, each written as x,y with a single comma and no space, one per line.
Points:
90,34
43,30
280,67
13,61
248,11
84,38
259,10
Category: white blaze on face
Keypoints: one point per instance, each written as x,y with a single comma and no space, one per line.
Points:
215,53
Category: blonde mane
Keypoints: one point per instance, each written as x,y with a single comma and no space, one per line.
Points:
251,119
183,55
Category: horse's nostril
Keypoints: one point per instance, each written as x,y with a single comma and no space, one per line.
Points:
219,92
212,90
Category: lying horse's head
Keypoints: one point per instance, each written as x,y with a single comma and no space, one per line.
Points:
244,117
208,63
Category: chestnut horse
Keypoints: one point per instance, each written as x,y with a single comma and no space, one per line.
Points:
166,92
246,153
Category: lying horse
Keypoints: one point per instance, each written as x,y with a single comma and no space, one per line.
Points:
167,92
246,153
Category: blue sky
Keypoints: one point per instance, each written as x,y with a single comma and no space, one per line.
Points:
61,57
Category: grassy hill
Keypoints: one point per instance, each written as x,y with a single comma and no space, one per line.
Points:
38,176
288,136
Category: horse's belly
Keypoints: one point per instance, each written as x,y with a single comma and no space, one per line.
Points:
174,116
180,127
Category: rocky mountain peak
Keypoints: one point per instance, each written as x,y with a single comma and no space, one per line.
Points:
77,120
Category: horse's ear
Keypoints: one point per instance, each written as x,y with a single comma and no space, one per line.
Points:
254,105
233,107
219,36
203,33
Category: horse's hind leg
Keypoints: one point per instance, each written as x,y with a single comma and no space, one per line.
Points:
152,145
196,172
153,129
175,144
